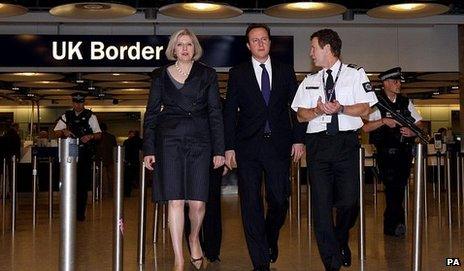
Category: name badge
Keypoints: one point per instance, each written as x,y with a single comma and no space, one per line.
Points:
326,118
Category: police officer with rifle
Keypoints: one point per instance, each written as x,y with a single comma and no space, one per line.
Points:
81,123
393,126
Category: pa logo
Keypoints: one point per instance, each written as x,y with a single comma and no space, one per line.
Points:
453,262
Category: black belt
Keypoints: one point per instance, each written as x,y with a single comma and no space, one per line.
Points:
267,135
325,133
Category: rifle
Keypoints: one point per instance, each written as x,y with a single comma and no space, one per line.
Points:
403,120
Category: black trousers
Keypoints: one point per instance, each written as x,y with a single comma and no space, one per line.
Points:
211,231
84,178
131,176
262,231
333,173
394,167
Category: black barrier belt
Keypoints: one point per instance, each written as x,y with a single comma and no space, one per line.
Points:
402,120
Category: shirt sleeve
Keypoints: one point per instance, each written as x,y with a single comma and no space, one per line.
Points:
417,117
302,98
375,115
363,91
60,125
93,122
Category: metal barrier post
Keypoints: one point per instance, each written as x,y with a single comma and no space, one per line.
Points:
458,186
439,187
298,196
417,237
3,194
34,190
50,188
100,188
94,182
462,183
448,187
118,216
426,218
142,217
155,223
13,193
68,154
362,223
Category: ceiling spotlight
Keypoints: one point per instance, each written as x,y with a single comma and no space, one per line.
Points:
305,10
91,88
92,10
15,88
407,10
200,10
9,10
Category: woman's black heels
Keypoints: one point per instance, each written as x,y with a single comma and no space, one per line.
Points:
197,263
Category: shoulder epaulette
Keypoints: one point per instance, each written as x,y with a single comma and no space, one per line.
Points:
312,73
354,66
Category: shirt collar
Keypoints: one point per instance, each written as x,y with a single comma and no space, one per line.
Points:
256,63
334,67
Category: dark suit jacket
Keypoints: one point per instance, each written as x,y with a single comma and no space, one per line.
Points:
204,110
244,129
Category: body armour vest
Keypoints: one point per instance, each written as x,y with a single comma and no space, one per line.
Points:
79,125
386,137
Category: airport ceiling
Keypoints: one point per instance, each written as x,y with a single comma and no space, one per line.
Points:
358,6
132,88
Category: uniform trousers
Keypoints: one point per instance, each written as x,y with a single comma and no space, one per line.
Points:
262,231
394,167
333,171
84,176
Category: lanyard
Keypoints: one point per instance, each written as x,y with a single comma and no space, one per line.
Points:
331,92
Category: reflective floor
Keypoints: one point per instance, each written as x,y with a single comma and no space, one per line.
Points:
38,249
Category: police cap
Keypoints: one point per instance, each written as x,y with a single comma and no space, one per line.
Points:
78,97
394,74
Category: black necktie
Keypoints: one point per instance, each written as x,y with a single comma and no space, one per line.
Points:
266,91
332,127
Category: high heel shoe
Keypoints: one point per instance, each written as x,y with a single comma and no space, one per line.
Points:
198,263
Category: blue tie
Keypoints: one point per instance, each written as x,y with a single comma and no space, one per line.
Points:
266,90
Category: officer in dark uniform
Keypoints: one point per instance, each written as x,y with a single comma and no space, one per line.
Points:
81,123
394,145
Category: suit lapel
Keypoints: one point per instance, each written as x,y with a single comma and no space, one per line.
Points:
275,79
254,87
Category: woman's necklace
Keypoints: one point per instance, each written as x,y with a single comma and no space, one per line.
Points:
179,70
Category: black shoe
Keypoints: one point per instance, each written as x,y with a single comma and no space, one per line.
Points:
213,259
332,269
345,253
400,230
80,217
262,268
273,253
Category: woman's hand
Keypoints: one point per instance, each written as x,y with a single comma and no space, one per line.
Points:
149,160
218,161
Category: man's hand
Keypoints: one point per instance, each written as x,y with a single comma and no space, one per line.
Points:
405,131
149,161
389,122
230,161
332,107
218,161
297,151
86,138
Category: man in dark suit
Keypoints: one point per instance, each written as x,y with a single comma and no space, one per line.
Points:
261,134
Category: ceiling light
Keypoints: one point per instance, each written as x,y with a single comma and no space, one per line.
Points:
200,10
9,10
305,10
407,10
92,10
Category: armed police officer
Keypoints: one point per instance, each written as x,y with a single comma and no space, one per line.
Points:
82,124
394,144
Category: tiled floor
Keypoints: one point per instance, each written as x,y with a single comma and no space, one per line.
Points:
39,249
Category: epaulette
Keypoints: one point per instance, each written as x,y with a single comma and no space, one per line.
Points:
311,73
354,66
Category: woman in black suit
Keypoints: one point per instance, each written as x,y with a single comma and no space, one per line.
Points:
183,133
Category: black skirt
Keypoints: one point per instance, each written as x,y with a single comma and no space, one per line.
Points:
182,164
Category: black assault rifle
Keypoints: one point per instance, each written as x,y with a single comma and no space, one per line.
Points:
402,120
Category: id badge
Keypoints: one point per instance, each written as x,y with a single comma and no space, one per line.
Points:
326,118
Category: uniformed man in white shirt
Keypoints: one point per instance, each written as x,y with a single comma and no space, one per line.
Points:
394,144
332,101
80,123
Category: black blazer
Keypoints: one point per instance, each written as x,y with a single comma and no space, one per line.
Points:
245,111
204,110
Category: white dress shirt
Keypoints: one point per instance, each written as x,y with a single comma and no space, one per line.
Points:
417,117
93,122
259,70
352,87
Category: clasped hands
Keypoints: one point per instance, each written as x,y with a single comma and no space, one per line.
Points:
328,108
149,160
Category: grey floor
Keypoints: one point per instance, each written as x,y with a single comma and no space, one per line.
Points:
38,249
